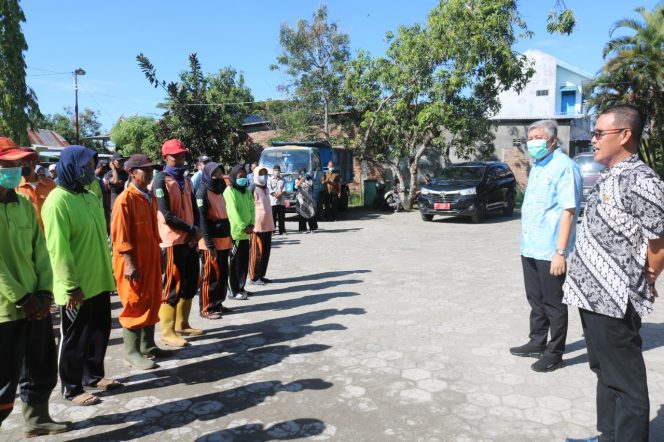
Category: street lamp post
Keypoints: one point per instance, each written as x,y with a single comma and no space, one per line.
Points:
77,72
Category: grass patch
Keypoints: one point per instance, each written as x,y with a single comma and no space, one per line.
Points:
355,199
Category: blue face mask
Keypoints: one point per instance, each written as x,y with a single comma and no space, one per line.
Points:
10,177
241,182
537,148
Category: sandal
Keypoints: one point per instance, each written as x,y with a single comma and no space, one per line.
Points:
85,399
214,315
108,384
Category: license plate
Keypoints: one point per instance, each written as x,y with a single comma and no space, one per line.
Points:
441,206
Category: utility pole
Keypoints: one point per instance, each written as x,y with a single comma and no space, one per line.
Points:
77,72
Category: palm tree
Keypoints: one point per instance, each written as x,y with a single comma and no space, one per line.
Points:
634,73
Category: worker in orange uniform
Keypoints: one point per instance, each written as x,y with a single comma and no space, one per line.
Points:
137,264
34,187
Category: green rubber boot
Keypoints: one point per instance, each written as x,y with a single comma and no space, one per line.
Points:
38,421
148,347
132,355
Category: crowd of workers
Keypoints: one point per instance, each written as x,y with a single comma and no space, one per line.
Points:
172,237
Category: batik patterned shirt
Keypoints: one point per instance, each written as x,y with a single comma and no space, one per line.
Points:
625,210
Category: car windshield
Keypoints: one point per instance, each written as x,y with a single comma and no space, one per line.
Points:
588,164
288,160
461,173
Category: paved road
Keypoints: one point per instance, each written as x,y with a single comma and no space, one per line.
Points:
378,328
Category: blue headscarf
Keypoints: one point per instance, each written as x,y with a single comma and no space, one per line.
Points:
71,167
216,186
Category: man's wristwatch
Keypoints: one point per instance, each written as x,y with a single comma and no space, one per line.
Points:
562,252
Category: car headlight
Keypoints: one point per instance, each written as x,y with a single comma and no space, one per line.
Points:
425,191
469,191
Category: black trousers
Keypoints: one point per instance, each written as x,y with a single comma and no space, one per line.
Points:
84,334
261,244
214,280
330,206
548,314
279,215
239,265
313,224
29,362
181,268
615,356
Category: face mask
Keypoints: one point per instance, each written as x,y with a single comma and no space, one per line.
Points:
537,148
262,179
241,182
87,177
10,177
26,171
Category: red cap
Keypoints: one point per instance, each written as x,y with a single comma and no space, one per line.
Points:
173,147
10,152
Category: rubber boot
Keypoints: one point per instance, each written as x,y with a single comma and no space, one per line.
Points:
38,421
132,355
148,348
167,324
182,326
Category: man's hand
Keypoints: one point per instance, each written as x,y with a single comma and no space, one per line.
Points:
75,299
33,308
249,230
131,272
558,265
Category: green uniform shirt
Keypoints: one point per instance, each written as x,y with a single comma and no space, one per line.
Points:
24,264
241,211
76,239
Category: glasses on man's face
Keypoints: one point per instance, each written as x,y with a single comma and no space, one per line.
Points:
600,133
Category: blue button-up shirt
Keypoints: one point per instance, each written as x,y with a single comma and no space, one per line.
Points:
554,184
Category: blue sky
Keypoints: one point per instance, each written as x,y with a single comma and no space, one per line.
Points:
104,37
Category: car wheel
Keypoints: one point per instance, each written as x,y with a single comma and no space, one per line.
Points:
509,210
389,202
480,213
426,217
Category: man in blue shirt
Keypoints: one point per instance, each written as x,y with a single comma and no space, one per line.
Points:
548,221
196,180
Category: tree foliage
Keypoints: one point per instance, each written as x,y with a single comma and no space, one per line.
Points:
205,111
560,20
17,100
314,56
137,134
64,124
438,84
634,74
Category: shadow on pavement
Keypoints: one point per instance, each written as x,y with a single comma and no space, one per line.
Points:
657,425
306,287
351,229
292,303
322,275
492,218
287,430
152,419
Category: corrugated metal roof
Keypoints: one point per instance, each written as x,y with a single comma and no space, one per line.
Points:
48,138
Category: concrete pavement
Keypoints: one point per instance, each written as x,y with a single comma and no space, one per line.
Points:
382,327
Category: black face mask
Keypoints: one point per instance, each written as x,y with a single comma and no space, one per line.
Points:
26,171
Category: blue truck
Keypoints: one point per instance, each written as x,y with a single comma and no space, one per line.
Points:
312,156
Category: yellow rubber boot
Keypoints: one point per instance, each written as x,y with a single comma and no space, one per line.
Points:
182,326
167,324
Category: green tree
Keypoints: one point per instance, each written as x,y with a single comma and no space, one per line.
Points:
18,100
314,56
634,73
137,134
204,111
65,125
431,91
561,19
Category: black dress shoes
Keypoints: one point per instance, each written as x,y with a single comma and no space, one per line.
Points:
528,350
547,363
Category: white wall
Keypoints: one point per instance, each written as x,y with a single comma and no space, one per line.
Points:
527,104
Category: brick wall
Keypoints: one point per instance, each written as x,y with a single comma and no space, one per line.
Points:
520,165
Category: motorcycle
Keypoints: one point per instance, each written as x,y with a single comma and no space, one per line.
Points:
393,199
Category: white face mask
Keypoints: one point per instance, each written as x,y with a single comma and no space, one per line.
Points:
262,179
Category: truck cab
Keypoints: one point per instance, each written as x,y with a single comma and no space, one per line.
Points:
312,156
